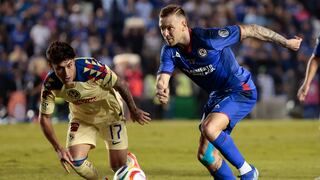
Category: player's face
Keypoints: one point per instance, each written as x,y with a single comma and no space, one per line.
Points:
172,28
66,71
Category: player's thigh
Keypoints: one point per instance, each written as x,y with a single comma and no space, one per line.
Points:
235,106
80,133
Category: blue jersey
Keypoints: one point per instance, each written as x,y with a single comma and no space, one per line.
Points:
210,62
317,48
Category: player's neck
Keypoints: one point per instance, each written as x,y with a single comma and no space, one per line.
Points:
186,42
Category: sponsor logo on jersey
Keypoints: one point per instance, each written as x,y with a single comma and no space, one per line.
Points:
74,94
84,101
71,137
202,52
202,71
44,106
223,33
74,126
176,55
115,142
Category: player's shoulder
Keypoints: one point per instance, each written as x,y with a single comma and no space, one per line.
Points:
89,68
166,47
167,50
215,32
84,61
52,82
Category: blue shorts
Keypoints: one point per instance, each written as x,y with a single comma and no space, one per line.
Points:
236,105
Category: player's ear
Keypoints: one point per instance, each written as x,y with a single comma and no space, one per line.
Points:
184,24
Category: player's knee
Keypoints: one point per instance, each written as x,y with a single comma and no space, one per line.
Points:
85,169
208,130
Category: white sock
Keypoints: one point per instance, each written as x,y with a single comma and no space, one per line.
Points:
245,168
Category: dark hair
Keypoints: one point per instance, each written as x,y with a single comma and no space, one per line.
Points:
172,9
59,51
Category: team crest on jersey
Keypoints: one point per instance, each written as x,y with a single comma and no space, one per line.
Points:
202,52
223,33
74,94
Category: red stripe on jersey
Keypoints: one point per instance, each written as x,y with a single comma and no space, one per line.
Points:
102,69
246,87
90,66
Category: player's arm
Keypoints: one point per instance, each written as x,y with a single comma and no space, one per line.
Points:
265,34
46,109
312,68
63,154
46,126
136,114
162,87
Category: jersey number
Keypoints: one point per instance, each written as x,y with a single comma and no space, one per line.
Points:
115,131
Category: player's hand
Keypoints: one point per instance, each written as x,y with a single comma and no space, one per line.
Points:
294,43
163,95
140,116
65,158
302,92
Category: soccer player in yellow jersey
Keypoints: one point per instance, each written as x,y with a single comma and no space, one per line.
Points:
94,93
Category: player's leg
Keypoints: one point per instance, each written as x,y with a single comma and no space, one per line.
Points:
212,129
220,121
80,162
210,158
81,138
117,158
115,137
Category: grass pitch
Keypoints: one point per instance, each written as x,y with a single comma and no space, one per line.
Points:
167,150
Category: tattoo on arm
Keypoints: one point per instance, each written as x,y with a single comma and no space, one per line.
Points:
122,88
262,33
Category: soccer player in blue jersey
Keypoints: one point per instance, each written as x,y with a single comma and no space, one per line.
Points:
95,94
205,56
311,71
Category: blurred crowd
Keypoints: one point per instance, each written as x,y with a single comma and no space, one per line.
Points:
124,34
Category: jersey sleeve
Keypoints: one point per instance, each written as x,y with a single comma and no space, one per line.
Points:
166,61
224,37
50,87
47,101
316,51
109,79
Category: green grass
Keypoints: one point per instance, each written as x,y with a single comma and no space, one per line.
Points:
167,150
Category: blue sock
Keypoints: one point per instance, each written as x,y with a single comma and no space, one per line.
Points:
228,149
223,173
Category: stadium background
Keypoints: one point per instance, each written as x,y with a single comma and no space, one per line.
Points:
124,34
